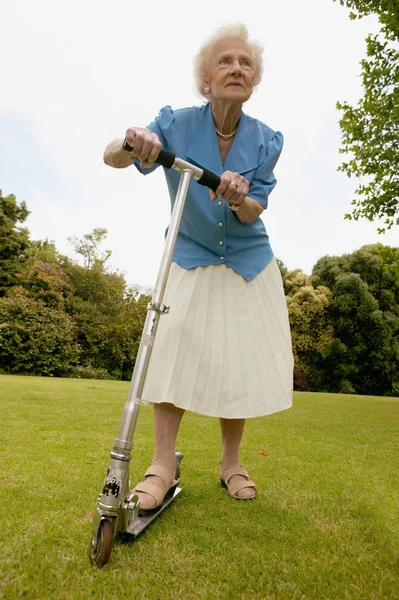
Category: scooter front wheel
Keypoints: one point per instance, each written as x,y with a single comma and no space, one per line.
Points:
101,552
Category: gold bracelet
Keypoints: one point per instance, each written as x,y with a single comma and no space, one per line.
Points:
235,207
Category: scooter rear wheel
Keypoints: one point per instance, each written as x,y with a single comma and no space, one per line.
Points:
102,550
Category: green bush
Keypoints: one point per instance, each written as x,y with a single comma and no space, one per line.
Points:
34,338
346,387
89,372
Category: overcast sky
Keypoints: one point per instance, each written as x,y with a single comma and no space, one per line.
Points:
74,75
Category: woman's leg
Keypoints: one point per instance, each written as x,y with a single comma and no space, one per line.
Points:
167,418
232,430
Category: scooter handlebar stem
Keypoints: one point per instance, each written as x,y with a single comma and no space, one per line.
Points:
168,160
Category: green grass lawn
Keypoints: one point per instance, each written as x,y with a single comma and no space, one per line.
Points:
325,523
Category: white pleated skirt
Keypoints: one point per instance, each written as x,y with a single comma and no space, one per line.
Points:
224,349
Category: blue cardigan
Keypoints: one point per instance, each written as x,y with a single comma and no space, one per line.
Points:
210,233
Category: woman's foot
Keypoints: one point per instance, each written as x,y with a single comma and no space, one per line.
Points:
154,488
235,479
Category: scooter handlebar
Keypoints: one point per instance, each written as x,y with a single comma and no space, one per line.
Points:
208,179
166,159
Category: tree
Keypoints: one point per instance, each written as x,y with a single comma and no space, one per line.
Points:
389,259
328,268
44,281
377,265
45,251
14,240
387,11
88,247
294,280
370,131
364,313
282,268
364,356
60,318
310,331
109,318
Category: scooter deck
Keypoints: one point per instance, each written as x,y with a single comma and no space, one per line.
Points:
140,523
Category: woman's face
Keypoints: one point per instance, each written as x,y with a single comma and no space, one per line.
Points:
231,73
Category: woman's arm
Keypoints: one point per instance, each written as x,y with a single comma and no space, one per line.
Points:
234,189
249,210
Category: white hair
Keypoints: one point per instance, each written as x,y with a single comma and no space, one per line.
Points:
203,58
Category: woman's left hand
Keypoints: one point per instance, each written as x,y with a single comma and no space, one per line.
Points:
233,188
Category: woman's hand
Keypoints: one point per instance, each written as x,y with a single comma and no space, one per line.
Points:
146,145
233,188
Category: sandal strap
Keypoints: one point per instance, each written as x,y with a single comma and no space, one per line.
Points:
145,487
227,474
159,471
239,485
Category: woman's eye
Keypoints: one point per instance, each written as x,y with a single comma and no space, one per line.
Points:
224,61
246,63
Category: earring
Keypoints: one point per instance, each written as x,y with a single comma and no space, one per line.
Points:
207,90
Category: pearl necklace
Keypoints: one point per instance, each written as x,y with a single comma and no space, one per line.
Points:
226,136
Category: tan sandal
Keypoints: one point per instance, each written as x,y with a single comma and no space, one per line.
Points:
146,487
236,486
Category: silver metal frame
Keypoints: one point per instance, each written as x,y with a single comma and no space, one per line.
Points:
114,502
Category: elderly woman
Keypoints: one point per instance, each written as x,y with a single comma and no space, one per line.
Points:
224,350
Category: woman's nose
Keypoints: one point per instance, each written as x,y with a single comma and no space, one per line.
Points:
235,67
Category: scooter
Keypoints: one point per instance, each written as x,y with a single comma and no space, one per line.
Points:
118,510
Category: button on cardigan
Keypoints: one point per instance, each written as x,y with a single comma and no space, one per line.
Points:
210,233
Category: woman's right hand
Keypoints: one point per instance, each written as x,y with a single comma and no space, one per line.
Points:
145,143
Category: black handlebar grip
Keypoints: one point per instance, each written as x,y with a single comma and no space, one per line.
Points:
166,159
210,180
